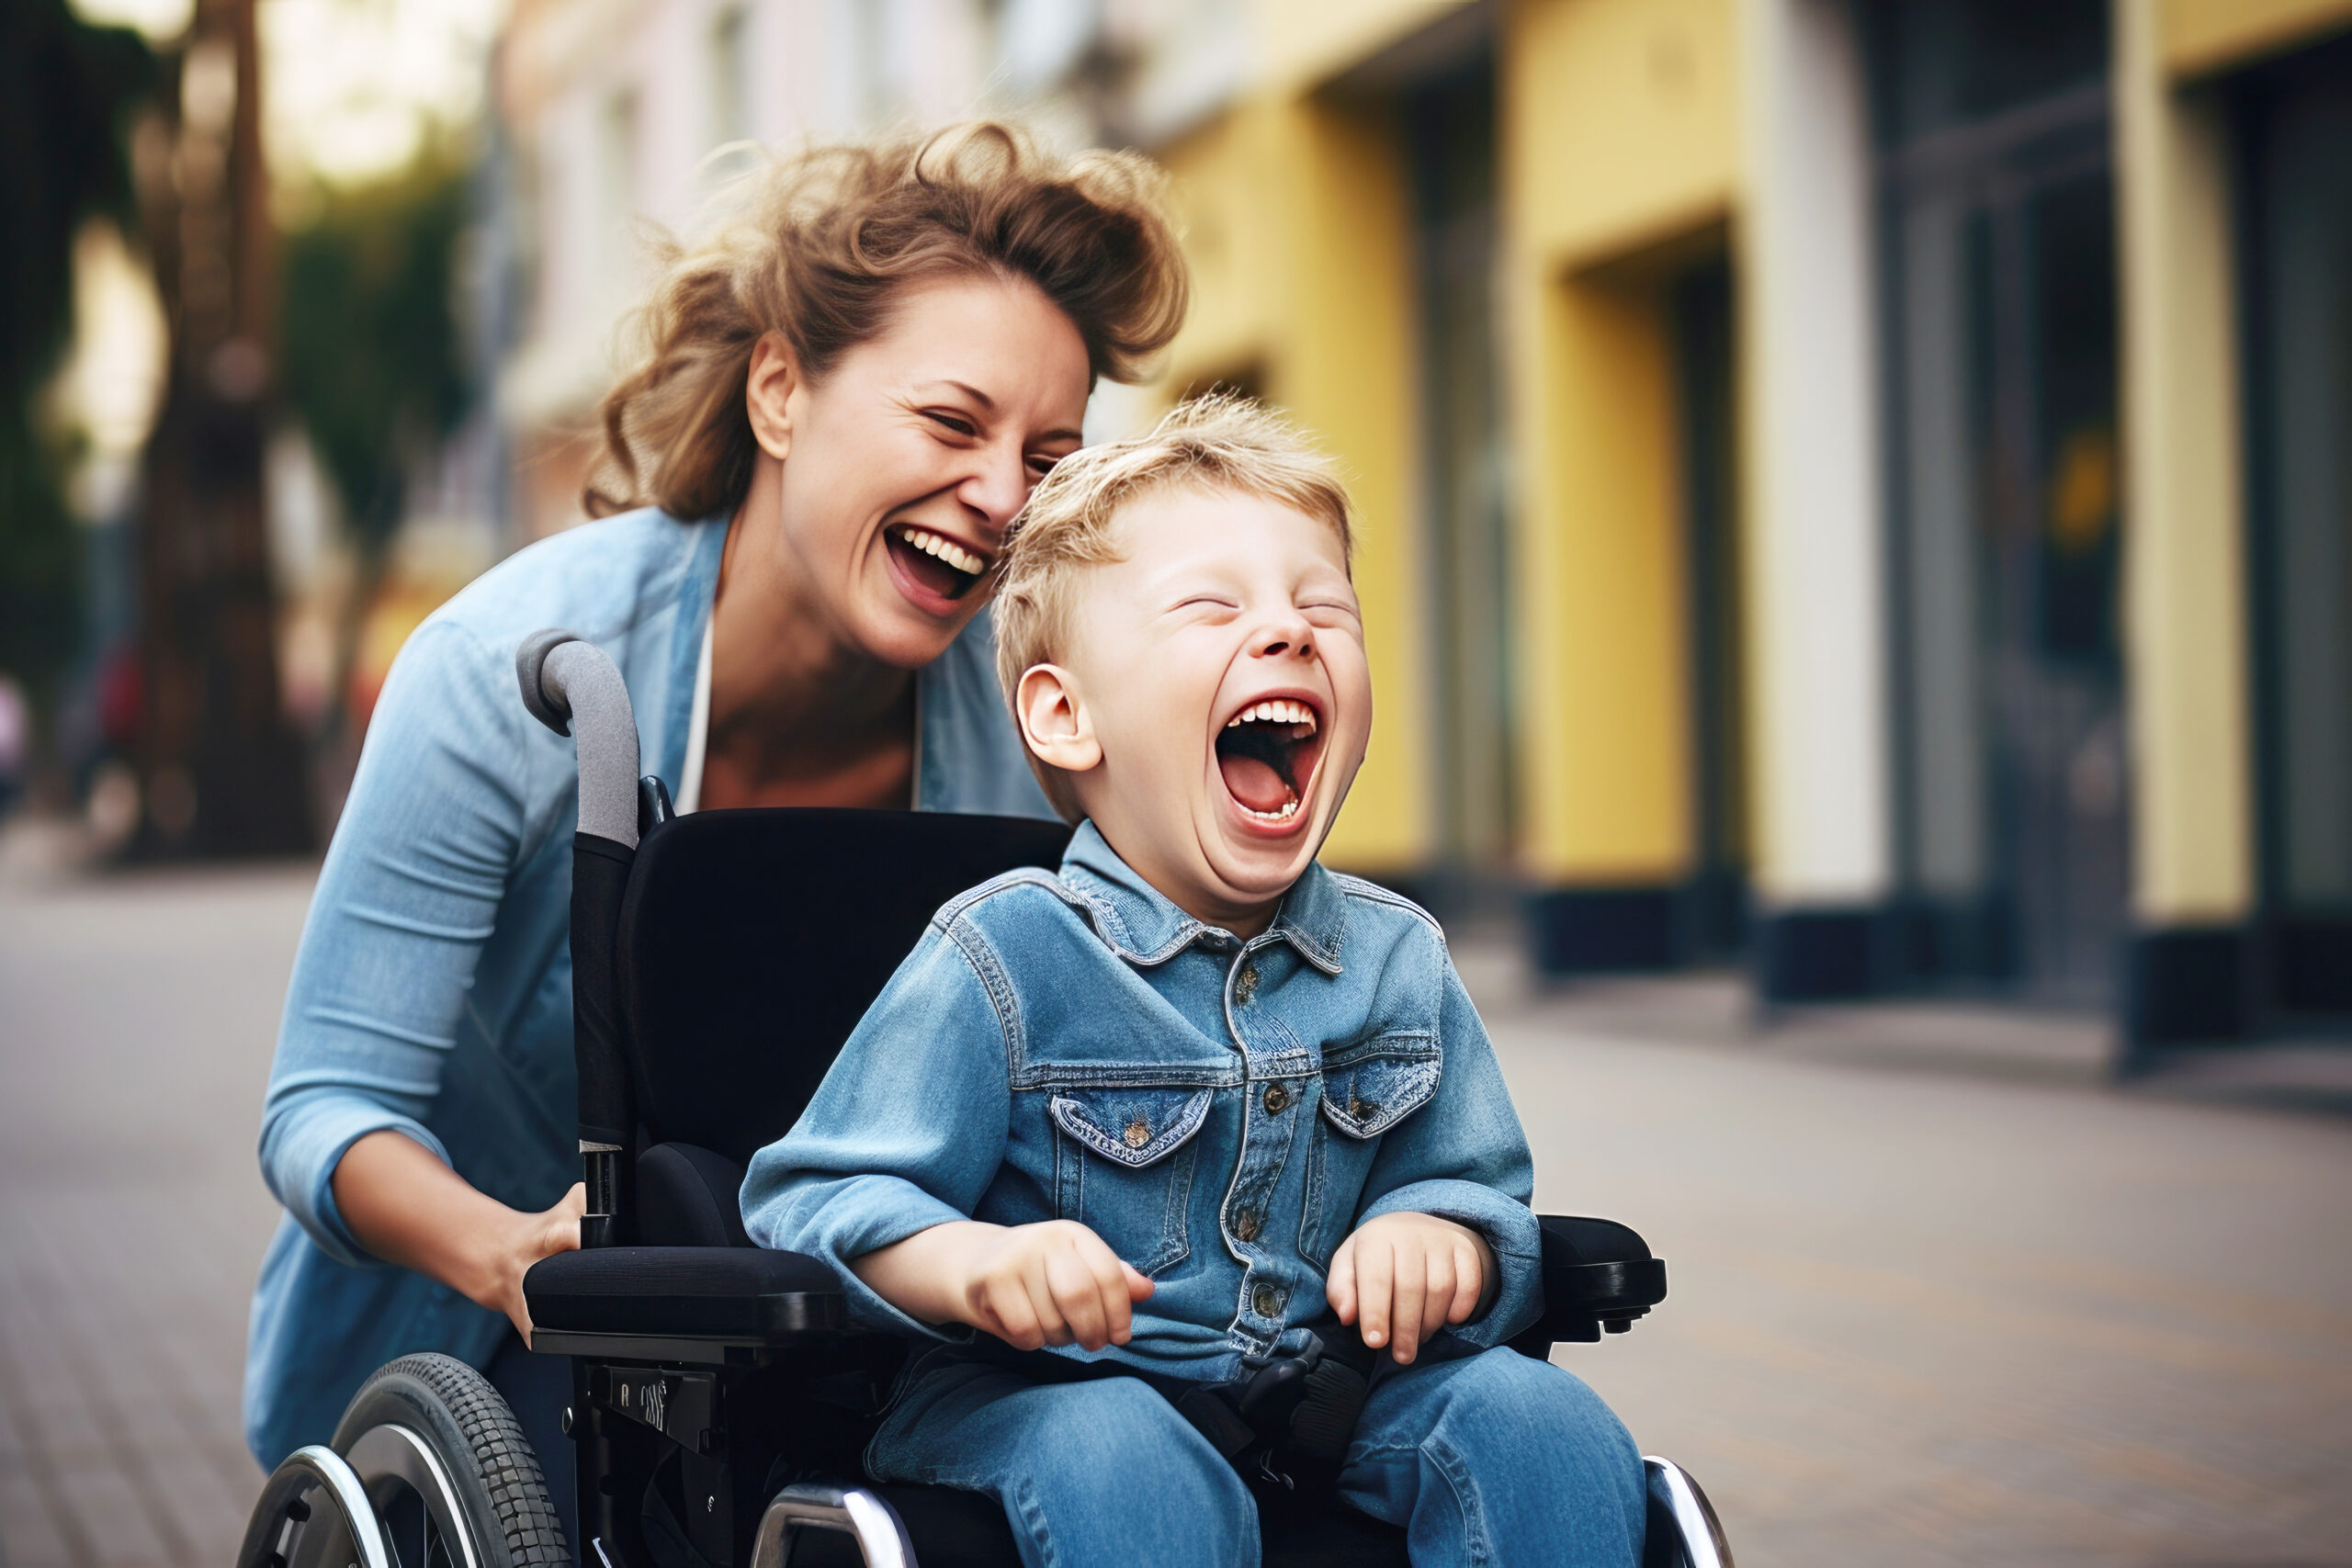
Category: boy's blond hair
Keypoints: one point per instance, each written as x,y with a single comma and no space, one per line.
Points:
1215,443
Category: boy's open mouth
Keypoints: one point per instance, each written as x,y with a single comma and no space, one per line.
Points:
938,564
1266,753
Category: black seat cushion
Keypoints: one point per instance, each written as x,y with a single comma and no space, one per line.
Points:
689,1197
684,1292
967,1530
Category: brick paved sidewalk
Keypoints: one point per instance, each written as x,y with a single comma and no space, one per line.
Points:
1917,1319
136,1021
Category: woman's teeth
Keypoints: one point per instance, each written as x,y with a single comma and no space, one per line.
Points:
948,551
1277,711
1289,810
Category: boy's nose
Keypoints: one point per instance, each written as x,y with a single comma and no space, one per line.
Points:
1284,634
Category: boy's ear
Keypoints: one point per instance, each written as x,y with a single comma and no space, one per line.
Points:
1053,720
768,385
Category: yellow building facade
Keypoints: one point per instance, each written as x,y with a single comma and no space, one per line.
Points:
1813,464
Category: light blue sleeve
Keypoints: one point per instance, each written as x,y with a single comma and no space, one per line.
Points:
409,893
1463,1157
907,1132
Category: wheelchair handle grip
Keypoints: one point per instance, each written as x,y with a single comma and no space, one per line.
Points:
573,686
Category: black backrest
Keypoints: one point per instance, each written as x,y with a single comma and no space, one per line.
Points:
752,942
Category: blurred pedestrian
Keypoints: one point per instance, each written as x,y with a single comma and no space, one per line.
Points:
16,742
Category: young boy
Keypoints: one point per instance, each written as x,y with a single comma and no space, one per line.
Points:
1195,1095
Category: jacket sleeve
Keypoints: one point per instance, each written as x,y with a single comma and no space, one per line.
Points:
1463,1157
906,1133
409,893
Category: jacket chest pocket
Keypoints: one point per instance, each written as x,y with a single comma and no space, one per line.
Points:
1124,1166
1363,1096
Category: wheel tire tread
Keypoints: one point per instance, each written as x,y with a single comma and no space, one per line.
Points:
502,1456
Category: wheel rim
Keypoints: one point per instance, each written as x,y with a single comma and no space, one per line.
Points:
315,1514
423,1521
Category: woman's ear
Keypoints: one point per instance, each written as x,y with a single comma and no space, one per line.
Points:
1053,721
768,387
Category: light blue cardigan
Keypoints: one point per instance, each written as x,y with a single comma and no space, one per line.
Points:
432,993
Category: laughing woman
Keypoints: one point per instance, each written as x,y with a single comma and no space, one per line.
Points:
844,397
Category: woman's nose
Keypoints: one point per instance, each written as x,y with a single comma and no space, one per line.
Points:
998,486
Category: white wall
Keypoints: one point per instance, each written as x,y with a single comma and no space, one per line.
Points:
1819,654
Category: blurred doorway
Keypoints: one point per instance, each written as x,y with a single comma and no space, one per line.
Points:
2295,125
1449,131
1998,245
1699,309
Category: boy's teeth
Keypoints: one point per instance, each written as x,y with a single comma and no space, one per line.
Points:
1274,711
1289,810
948,551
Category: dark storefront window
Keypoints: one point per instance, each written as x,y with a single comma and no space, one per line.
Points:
1998,301
2295,182
1450,129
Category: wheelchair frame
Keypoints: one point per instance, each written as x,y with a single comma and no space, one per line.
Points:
754,1347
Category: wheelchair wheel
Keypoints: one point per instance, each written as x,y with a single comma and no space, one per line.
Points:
446,1471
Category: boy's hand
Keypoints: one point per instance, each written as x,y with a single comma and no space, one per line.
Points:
1052,1283
1402,1277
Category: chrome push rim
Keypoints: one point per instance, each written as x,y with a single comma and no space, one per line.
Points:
315,1514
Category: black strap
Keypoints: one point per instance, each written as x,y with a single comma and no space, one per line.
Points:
1286,1410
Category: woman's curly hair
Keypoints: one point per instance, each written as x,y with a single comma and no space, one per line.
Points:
816,244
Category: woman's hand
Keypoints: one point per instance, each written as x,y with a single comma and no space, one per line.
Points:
531,1238
1402,1277
406,1207
1052,1283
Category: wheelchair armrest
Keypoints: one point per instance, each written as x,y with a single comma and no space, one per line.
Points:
721,1295
1597,1276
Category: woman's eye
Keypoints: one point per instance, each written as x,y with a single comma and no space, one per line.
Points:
1041,464
956,423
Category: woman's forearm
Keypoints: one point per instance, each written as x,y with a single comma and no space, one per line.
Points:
406,1207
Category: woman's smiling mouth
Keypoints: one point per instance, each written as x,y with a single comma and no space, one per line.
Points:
1266,754
932,562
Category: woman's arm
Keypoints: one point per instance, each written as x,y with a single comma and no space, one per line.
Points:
412,888
406,1207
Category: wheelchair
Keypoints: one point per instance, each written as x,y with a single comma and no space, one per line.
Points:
720,1396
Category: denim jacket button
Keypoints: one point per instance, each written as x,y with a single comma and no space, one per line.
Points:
1277,1099
1245,985
1138,1133
1266,1299
1245,1224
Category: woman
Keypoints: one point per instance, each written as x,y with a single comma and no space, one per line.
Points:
846,396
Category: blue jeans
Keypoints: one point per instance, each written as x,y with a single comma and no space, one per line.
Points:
1484,1457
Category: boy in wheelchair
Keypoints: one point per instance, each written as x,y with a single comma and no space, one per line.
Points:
1191,1168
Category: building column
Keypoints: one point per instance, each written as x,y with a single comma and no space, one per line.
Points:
1818,652
2184,587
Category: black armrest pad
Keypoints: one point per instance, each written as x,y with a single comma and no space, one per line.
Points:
683,1291
1595,1272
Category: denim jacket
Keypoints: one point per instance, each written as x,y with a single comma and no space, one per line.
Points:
432,992
1223,1113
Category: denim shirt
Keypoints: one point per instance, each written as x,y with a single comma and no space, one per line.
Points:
432,992
1223,1113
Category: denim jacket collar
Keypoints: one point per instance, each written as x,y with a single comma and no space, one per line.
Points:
1144,927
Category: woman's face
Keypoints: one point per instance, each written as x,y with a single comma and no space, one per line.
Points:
903,468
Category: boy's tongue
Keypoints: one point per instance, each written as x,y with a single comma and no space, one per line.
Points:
1254,783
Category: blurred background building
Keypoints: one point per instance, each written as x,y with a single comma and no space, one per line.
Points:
1856,490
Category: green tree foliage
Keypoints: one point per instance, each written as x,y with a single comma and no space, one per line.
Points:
369,337
67,94
369,359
